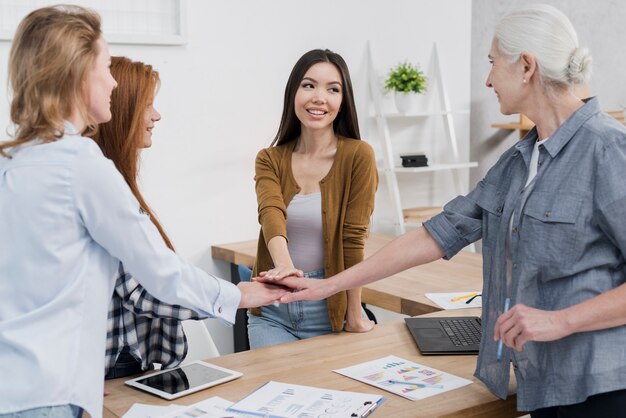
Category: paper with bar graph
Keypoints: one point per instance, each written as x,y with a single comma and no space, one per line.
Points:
405,378
286,400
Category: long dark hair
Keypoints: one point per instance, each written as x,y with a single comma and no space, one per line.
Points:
346,123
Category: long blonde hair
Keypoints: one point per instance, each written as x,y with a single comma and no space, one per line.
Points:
53,49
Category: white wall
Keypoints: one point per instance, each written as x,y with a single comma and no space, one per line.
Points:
221,99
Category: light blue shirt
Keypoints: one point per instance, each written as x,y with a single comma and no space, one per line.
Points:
67,219
567,245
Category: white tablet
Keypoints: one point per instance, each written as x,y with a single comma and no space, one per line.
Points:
183,380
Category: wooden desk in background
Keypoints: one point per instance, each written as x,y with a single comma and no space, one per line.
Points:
310,362
403,292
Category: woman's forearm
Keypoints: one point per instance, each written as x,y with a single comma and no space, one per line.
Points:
279,251
354,303
409,250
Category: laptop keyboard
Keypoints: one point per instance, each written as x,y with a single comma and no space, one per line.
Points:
462,332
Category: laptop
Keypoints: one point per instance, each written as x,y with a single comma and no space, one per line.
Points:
446,335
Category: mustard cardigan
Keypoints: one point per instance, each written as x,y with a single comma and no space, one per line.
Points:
347,204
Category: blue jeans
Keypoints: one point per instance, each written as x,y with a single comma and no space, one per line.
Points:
289,322
60,411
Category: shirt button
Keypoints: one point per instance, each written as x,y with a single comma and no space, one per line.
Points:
499,209
539,163
514,229
514,265
548,213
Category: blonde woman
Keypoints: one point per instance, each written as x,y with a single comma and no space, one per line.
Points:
68,219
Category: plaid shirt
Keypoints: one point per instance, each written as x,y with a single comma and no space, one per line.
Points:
150,328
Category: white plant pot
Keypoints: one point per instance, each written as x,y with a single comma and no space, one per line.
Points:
411,102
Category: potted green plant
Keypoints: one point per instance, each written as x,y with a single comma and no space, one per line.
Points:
406,81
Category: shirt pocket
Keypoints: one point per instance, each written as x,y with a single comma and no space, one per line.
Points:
491,200
550,231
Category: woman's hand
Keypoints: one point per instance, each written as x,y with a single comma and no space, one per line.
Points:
358,324
303,288
259,294
523,323
280,272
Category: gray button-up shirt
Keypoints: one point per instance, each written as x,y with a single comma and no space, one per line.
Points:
568,243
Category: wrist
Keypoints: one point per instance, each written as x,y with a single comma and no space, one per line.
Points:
567,321
333,286
284,265
354,310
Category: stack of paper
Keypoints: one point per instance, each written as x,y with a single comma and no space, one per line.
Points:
272,400
214,407
284,400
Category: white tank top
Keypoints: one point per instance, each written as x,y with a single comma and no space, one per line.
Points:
305,232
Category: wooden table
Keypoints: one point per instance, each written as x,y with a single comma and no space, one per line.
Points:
402,292
310,362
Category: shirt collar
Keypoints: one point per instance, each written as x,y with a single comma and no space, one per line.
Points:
565,132
69,128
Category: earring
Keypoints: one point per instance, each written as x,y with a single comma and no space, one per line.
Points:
524,80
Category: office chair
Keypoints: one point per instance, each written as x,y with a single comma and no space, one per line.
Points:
199,341
245,273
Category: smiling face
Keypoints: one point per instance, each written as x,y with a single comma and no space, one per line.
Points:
150,117
319,96
100,84
507,80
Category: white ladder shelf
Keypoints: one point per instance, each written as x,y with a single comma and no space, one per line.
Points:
389,169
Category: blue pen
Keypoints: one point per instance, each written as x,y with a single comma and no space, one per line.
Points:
507,302
421,385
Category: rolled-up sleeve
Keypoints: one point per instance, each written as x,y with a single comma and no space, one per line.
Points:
459,225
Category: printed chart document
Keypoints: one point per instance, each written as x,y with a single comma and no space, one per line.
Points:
457,300
214,407
140,410
284,400
405,378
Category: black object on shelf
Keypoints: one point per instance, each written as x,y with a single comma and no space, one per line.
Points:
414,160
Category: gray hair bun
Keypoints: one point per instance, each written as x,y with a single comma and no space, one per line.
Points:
579,67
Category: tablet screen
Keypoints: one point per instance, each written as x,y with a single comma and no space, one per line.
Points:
183,378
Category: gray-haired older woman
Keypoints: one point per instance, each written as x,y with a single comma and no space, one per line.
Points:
552,216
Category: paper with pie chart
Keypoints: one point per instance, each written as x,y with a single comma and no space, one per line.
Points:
405,378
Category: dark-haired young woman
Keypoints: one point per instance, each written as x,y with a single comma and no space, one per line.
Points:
315,189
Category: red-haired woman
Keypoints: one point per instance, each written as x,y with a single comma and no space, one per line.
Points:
141,330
